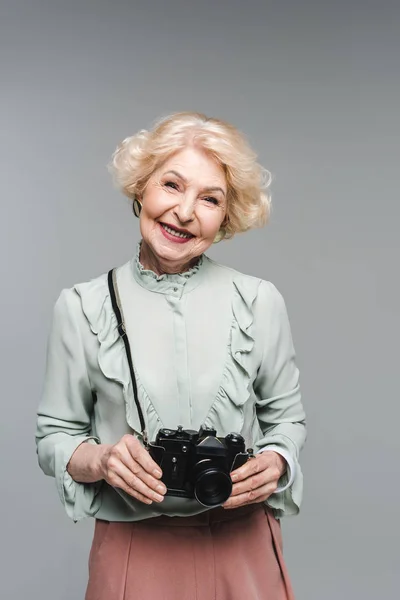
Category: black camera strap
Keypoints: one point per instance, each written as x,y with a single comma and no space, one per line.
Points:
117,308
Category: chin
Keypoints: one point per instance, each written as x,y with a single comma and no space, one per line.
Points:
168,250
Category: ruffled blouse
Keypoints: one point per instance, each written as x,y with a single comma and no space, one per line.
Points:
210,346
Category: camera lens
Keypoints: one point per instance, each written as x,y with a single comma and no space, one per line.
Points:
212,485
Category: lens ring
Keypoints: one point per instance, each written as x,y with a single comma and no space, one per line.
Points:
212,487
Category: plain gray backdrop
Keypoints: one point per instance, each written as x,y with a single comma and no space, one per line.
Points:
316,88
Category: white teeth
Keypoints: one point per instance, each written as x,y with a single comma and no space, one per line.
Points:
175,233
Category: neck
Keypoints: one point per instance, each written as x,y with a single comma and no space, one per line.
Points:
149,260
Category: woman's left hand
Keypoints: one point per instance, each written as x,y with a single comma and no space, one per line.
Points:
256,480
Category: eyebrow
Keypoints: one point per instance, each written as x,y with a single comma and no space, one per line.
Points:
205,189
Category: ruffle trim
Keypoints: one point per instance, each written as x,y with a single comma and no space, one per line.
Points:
237,375
96,305
233,391
80,500
167,277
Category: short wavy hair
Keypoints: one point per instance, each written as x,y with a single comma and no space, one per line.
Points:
248,198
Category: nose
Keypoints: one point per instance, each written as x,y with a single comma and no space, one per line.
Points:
184,210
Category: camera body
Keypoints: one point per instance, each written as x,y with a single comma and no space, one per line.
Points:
197,464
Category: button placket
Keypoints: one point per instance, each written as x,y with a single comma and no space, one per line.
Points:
176,292
181,355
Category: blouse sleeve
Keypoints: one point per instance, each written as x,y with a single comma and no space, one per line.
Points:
279,409
65,410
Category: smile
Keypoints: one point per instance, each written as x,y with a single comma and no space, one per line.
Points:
175,233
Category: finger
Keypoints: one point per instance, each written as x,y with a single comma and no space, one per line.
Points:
251,483
250,497
133,482
267,475
251,467
261,462
120,483
142,456
155,484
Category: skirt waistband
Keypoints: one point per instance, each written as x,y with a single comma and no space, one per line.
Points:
214,515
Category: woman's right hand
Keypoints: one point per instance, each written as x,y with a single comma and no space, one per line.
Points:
128,465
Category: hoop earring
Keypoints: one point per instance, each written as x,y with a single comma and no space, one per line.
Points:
136,207
219,237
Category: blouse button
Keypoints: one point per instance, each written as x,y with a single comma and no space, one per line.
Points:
175,289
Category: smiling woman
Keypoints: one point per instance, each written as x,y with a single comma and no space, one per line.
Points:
242,186
179,220
173,346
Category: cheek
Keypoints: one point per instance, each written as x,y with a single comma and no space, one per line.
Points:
210,223
156,203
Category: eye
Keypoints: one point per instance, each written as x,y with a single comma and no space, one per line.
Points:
211,199
171,184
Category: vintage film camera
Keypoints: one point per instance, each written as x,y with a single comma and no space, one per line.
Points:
197,464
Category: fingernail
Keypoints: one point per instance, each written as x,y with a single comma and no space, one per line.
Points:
157,473
234,477
158,498
161,488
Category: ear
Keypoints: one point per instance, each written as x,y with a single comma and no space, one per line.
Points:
225,222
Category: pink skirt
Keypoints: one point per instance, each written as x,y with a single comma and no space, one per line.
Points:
217,555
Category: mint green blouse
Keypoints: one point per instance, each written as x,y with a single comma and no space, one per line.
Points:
210,346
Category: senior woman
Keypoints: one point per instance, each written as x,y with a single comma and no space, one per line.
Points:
195,344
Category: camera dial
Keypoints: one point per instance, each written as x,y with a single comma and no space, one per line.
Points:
234,438
166,433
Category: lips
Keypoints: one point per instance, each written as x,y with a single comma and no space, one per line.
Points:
176,231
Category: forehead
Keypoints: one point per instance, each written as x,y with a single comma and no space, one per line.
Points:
196,165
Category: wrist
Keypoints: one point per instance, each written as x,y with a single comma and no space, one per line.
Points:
100,465
284,464
87,464
280,463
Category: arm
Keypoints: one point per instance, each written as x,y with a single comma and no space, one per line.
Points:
65,411
64,424
279,409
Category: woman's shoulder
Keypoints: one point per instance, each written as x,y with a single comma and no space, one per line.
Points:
256,302
90,298
263,289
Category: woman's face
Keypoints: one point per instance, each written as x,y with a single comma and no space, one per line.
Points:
183,207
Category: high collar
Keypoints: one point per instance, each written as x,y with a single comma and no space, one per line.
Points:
175,284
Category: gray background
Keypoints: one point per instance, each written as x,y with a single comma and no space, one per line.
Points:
315,86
